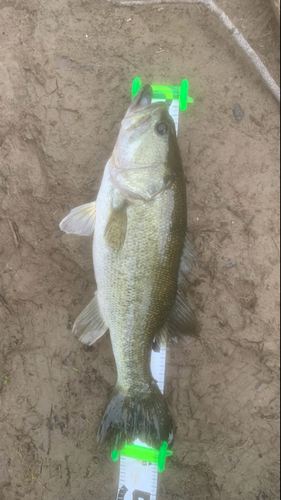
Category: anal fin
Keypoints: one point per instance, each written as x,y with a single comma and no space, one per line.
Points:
81,220
181,322
90,323
187,259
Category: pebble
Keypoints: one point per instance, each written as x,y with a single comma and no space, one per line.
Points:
238,112
230,265
62,63
89,68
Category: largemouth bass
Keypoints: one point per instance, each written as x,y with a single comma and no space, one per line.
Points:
141,252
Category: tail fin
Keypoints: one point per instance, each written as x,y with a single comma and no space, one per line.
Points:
143,416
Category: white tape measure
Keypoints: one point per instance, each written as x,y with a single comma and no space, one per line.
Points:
138,479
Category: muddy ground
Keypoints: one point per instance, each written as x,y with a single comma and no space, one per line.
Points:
66,69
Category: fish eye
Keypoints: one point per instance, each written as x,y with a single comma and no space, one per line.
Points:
161,128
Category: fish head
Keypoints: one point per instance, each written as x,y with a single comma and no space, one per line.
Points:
141,164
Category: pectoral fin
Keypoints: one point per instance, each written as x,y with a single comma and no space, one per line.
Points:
81,220
90,323
115,231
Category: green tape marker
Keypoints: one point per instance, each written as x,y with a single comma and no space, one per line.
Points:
145,454
167,92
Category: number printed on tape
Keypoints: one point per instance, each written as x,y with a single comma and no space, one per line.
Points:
137,495
140,495
122,492
138,480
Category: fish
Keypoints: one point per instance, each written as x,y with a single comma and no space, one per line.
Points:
141,255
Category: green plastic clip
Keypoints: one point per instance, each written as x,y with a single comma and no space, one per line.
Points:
167,92
144,454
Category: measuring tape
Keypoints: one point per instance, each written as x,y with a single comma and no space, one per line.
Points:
139,464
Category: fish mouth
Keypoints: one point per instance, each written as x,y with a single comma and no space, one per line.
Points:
142,102
142,99
141,110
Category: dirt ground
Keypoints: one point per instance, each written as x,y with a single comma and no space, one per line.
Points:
66,69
